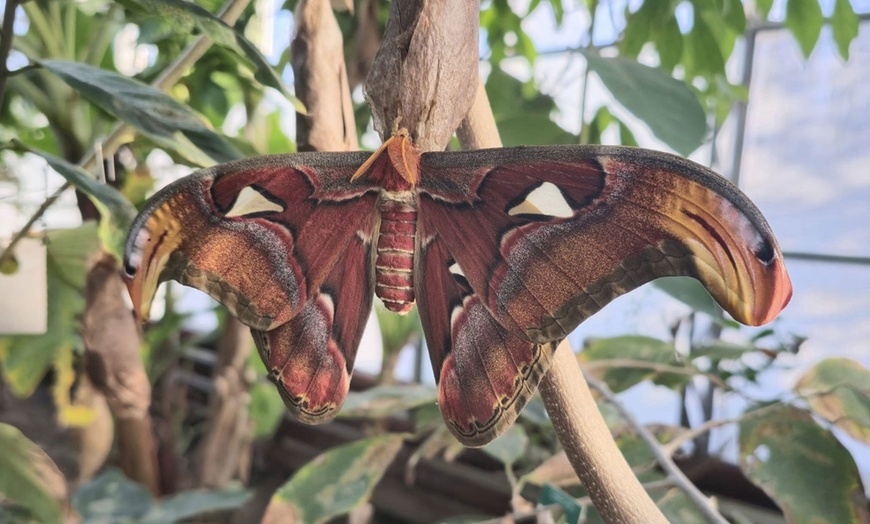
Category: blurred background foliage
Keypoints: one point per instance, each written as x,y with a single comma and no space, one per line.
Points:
88,96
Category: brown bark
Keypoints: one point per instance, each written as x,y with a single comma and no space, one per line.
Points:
366,42
321,81
115,368
422,70
226,449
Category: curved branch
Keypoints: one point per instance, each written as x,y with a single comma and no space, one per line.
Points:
673,472
6,36
612,485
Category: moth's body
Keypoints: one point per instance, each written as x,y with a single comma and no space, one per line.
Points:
395,166
505,252
394,266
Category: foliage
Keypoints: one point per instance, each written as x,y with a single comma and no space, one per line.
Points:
334,483
112,497
23,481
663,73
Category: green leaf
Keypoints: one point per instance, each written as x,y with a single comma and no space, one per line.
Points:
192,503
117,212
26,358
551,494
838,390
666,105
691,293
844,26
397,330
523,119
335,482
764,7
703,54
804,19
381,401
734,15
641,25
112,497
721,350
636,348
168,122
669,42
509,446
803,468
20,480
185,16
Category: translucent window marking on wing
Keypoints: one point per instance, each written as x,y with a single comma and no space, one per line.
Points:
546,200
458,275
251,201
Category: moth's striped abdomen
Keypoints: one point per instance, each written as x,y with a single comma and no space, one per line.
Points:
395,255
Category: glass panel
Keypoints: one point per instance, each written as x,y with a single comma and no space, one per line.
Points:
807,160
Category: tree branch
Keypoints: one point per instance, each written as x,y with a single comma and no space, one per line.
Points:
673,472
7,33
612,485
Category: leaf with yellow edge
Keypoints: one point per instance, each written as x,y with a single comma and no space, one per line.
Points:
838,390
29,478
803,467
335,482
26,358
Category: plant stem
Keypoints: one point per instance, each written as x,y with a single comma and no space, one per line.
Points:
7,33
612,485
674,473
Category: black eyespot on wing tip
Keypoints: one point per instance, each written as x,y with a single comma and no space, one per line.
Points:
765,252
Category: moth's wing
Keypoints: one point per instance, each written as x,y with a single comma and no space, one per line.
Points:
310,358
284,242
258,235
485,373
546,236
549,235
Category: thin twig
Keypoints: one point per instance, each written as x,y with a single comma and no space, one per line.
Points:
122,132
690,434
7,33
673,472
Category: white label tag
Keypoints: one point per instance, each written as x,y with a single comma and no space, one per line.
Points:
24,294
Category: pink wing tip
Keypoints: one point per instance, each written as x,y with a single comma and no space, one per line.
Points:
776,298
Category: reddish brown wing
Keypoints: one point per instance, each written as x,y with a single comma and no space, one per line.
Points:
311,357
285,243
546,236
486,374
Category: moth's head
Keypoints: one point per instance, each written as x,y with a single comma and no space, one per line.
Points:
152,240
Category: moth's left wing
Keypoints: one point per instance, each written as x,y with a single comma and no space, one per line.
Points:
311,357
546,236
285,242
